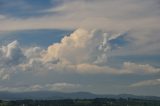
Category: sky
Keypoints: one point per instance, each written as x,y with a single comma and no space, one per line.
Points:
98,46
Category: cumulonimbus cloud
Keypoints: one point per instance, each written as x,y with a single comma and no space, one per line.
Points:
84,51
81,46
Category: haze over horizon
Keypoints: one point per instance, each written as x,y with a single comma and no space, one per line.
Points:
98,46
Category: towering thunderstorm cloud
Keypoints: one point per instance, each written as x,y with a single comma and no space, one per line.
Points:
84,51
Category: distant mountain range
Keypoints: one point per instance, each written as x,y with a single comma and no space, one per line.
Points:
50,95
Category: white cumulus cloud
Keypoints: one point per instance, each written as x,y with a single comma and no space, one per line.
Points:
81,46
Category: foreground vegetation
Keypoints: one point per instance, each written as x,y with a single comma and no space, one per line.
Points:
82,102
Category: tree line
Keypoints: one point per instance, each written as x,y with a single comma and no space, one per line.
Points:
82,102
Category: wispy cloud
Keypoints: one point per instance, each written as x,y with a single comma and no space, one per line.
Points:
154,82
75,14
63,86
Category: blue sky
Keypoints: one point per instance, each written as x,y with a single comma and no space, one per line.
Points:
100,46
25,8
